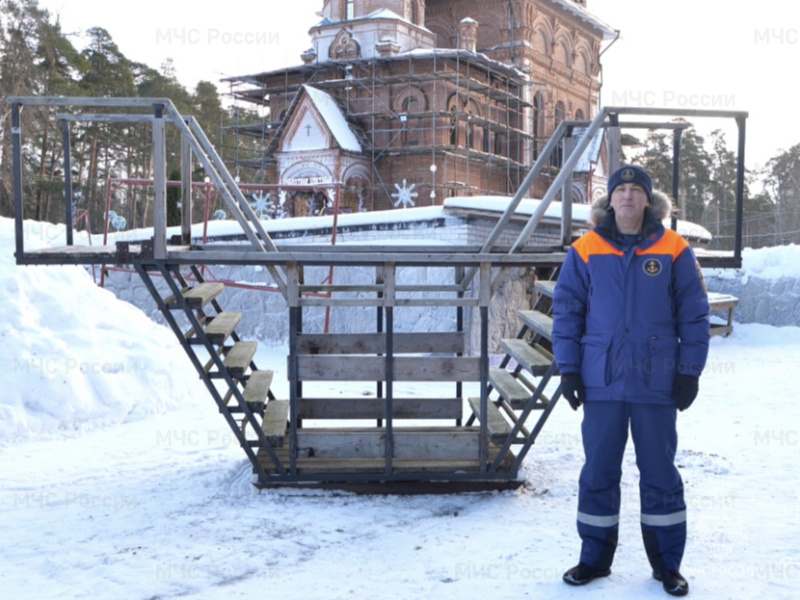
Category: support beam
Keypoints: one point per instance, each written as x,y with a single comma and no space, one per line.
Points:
68,215
159,185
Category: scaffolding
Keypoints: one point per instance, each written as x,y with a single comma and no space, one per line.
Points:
461,117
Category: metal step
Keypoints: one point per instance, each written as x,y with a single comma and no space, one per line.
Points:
499,429
238,359
221,327
533,358
257,387
276,420
198,296
545,287
509,387
538,322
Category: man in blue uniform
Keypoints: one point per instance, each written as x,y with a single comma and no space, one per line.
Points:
630,337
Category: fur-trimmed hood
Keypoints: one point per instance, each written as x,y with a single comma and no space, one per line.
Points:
661,205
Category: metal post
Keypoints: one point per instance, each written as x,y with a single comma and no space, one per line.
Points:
389,302
68,217
485,298
159,185
676,156
566,194
186,191
16,151
737,248
614,143
295,326
459,275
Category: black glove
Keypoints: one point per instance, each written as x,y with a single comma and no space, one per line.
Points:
684,390
572,389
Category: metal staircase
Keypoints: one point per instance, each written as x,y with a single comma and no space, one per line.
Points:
520,389
223,361
389,440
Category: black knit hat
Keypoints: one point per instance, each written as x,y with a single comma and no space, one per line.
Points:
631,174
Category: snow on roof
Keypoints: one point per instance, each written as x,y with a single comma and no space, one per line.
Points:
384,13
570,6
580,213
332,115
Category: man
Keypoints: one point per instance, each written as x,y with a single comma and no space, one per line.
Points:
630,337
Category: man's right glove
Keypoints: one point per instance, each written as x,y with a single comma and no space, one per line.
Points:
572,389
684,390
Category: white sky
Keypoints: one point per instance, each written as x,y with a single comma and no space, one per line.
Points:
677,54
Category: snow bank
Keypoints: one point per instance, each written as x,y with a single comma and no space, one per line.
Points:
75,357
767,285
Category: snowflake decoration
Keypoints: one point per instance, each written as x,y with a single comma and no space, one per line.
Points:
119,222
261,204
405,194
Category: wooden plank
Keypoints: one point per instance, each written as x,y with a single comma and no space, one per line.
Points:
373,368
276,419
725,330
221,326
498,427
257,387
238,358
466,301
203,293
410,443
310,465
721,301
446,342
509,388
375,408
545,287
533,358
538,322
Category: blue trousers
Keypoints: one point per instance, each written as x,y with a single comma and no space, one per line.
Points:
663,512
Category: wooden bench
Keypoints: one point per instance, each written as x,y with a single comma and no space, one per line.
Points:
722,302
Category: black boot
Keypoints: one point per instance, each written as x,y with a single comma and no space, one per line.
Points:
673,582
581,574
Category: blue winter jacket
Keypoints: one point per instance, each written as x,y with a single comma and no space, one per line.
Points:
629,318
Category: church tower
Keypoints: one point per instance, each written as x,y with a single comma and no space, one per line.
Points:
353,29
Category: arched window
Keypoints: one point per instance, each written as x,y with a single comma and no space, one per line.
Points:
560,112
579,115
349,10
410,106
453,126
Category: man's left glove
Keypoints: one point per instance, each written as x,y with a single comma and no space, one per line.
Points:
684,390
572,389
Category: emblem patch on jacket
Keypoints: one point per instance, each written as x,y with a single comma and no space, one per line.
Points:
652,267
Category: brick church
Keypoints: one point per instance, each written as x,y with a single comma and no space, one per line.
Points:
408,102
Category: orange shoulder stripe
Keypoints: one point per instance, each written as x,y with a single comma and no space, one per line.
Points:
671,243
593,243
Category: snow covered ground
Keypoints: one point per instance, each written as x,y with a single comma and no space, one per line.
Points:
120,480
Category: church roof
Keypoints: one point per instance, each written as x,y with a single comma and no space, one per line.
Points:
334,118
330,113
585,15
